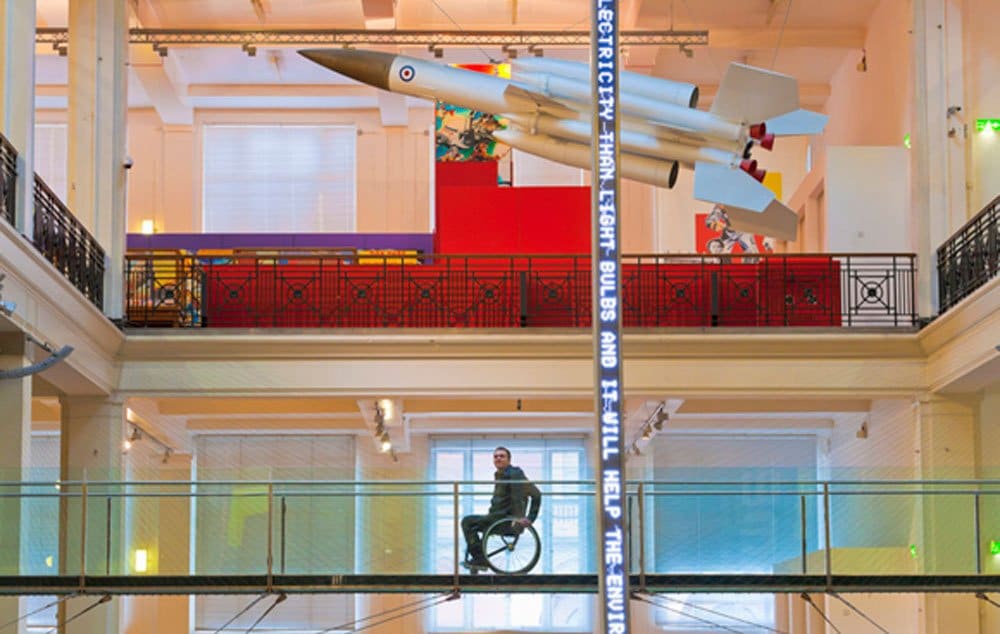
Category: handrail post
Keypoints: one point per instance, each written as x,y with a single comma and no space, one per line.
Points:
283,513
107,536
826,531
979,545
642,540
270,536
802,516
454,493
83,532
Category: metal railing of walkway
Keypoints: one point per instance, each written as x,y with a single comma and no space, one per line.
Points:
237,536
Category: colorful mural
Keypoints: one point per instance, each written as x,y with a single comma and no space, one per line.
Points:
462,134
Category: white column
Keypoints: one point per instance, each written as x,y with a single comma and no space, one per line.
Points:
17,100
938,154
92,430
98,73
15,429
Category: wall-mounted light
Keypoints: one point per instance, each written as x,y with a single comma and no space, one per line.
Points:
147,228
140,560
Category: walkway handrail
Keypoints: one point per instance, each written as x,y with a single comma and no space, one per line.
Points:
8,180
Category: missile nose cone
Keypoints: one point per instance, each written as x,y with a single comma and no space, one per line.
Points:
368,67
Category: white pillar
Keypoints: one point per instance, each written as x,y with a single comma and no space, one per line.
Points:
92,430
15,429
98,73
17,100
938,154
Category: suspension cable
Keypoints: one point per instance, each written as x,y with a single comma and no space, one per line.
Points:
808,599
41,609
715,612
103,599
982,596
686,614
240,613
859,612
281,597
437,599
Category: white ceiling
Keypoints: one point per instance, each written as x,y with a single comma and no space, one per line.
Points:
815,40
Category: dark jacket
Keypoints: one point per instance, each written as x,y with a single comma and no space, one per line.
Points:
511,494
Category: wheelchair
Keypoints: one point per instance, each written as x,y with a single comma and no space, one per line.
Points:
511,549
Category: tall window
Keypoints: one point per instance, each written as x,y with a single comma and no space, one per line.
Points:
563,527
727,534
312,534
279,178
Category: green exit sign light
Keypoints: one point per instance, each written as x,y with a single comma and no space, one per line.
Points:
982,125
995,547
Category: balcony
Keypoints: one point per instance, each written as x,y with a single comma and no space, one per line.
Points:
323,290
970,258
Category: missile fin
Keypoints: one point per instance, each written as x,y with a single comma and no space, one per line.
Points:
539,101
797,122
749,94
776,221
729,186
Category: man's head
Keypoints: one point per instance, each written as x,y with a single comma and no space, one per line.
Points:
501,458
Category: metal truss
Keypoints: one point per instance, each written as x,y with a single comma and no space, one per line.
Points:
59,37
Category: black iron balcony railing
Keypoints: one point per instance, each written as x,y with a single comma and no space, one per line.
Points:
970,257
67,244
8,180
493,291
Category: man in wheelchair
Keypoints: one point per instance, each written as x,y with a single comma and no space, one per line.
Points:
514,497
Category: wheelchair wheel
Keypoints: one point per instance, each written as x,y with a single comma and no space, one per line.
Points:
511,549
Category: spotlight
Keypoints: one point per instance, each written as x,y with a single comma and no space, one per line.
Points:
647,432
386,442
250,50
511,53
437,50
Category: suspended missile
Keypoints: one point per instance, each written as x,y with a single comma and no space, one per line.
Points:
549,104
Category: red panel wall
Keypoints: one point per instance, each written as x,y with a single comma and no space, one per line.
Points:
475,218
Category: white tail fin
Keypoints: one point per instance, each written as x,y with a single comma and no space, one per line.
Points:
797,122
776,221
729,186
751,206
751,95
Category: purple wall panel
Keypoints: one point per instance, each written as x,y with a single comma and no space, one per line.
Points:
196,241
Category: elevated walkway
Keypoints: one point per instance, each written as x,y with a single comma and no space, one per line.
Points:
258,537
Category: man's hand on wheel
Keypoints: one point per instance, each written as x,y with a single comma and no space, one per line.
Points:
524,521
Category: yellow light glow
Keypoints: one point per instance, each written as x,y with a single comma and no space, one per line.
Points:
49,561
147,227
141,560
386,406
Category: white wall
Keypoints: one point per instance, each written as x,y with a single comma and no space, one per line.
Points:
867,196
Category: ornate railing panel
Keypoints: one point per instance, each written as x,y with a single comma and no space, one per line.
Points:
8,179
67,244
518,291
970,257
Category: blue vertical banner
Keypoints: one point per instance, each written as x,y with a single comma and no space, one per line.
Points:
606,266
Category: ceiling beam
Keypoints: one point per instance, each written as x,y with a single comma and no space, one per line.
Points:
150,70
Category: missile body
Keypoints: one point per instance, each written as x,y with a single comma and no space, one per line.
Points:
640,168
672,115
632,142
655,88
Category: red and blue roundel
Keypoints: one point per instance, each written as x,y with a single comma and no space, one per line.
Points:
406,73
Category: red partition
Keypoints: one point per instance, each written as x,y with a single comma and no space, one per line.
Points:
477,218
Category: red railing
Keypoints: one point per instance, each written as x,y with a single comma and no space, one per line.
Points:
321,291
